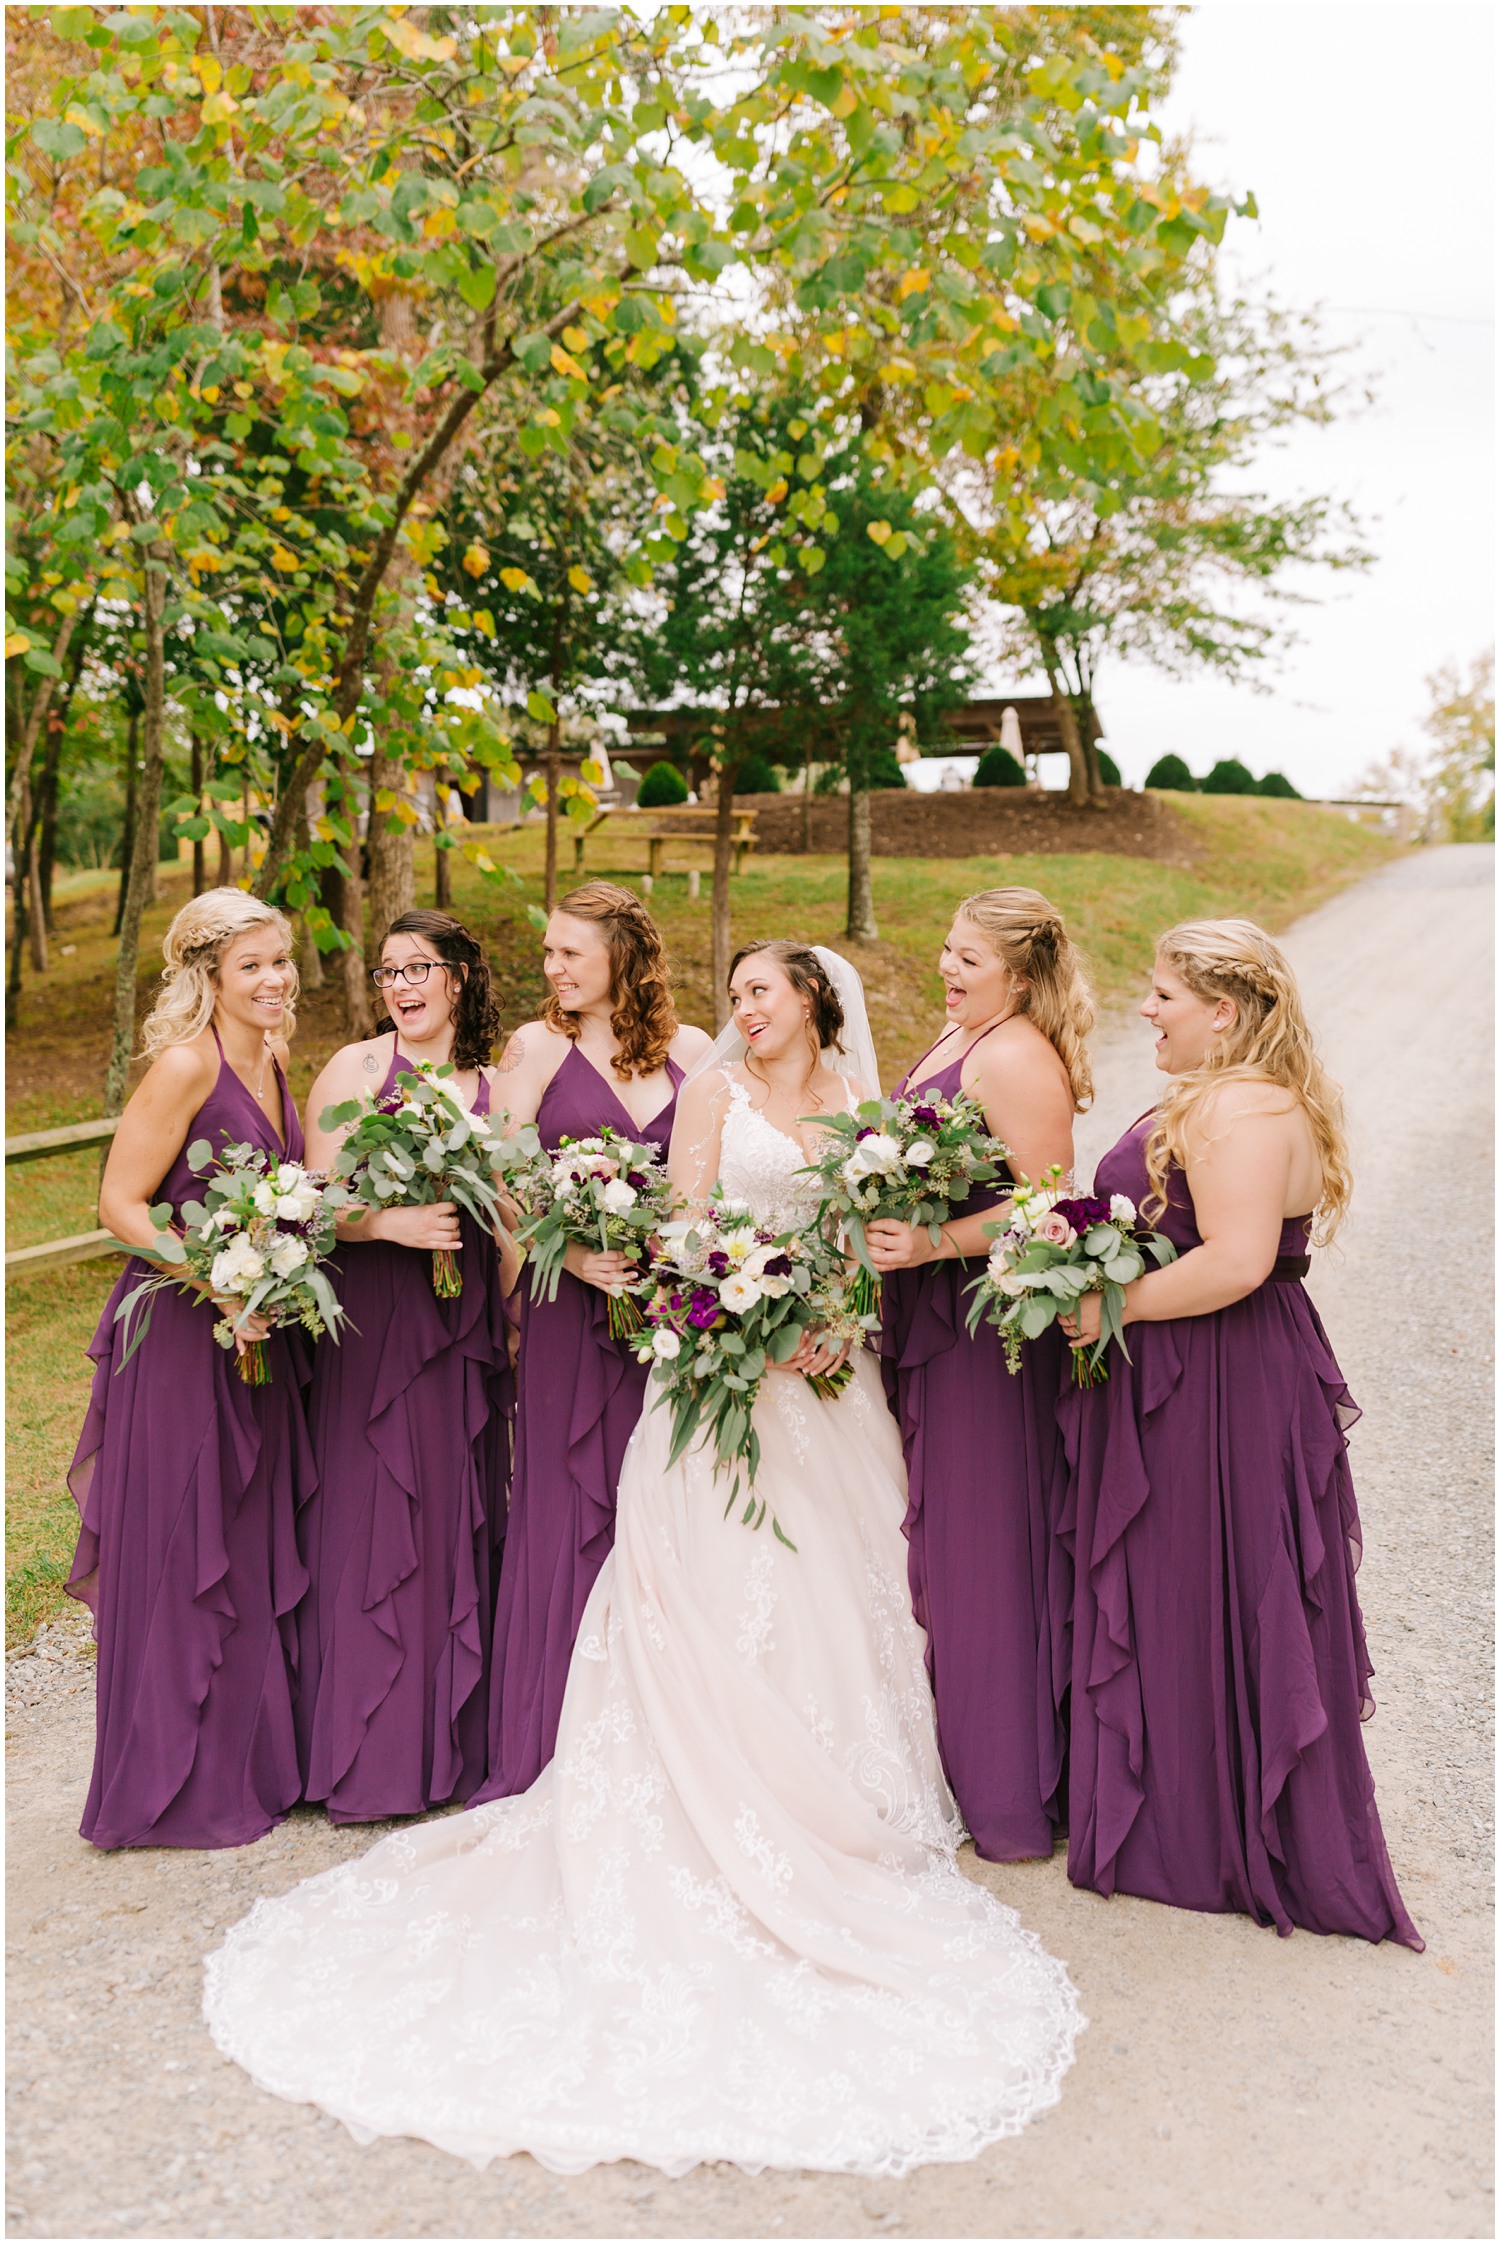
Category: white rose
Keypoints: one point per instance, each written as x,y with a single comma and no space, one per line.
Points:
665,1345
880,1152
287,1256
618,1196
920,1152
1121,1210
265,1197
237,1269
297,1207
289,1177
223,1219
1010,1284
853,1170
740,1293
774,1288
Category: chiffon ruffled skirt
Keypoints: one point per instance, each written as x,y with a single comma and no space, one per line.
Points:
188,1483
726,1923
1219,1667
408,1422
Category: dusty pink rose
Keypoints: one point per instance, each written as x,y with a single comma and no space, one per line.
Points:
1056,1230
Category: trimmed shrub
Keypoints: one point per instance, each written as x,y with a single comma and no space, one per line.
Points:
756,777
886,769
999,768
662,786
1171,774
1277,783
1109,770
1230,777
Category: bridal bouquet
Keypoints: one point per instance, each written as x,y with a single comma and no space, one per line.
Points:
1053,1249
729,1299
606,1192
916,1158
257,1238
415,1144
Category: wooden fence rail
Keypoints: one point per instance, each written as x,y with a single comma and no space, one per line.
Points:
84,1246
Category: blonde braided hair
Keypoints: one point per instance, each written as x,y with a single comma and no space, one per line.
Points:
1268,1041
1028,935
194,947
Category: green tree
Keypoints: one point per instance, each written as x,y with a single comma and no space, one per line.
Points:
1172,776
1451,783
1230,777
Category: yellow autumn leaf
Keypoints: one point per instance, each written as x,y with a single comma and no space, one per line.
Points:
879,531
516,580
415,44
16,643
210,73
282,559
476,559
563,364
84,122
576,338
711,488
777,492
219,108
580,580
912,283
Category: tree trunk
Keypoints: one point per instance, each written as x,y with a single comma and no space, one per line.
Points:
442,868
200,869
723,859
309,960
359,1010
554,778
392,867
21,892
807,800
225,875
127,839
1067,725
36,903
57,726
861,926
1083,715
143,855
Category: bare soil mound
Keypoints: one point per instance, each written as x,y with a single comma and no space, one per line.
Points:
978,822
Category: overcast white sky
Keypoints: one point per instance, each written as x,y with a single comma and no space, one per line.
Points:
1366,135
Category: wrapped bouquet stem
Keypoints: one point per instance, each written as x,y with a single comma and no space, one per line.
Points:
1054,1248
916,1158
254,1244
416,1144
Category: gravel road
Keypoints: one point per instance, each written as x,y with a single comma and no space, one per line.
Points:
1230,2084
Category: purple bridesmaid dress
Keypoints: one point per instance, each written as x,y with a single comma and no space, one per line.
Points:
985,1476
188,1483
1219,1669
408,1420
579,1394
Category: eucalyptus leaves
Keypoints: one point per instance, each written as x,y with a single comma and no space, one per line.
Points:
413,1145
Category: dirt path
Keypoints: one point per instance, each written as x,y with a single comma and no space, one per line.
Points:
1230,2084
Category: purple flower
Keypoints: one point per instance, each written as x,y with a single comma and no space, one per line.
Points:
704,1310
779,1266
927,1117
866,1132
718,1263
1083,1214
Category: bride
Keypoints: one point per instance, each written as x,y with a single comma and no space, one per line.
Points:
727,1922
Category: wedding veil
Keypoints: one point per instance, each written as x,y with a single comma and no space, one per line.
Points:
857,1059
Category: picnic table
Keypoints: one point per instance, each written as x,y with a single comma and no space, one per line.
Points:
684,830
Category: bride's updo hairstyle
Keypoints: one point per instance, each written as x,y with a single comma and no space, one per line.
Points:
1268,1041
194,947
476,1012
642,1016
802,968
1028,936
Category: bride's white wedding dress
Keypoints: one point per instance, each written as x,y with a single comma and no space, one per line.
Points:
727,1922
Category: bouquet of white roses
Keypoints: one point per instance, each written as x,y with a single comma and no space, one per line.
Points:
605,1191
729,1299
415,1144
1053,1248
916,1158
257,1239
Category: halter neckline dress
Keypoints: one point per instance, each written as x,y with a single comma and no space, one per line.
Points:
188,1483
985,1478
409,1421
579,1393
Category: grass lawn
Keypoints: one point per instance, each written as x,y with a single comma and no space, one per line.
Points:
1267,859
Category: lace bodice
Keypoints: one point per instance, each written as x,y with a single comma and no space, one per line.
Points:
759,1164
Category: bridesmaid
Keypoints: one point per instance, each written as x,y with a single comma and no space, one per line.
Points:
608,1049
408,1418
187,1480
1220,1674
983,1456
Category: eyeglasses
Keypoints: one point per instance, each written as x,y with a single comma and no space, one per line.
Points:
415,971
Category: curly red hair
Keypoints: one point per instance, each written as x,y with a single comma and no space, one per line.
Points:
642,1014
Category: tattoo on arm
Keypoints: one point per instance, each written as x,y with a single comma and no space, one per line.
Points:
510,1059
